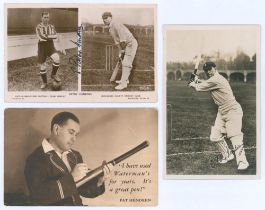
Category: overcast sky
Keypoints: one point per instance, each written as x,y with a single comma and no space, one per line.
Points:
126,15
183,45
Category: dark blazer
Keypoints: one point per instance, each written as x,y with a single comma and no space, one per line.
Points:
50,182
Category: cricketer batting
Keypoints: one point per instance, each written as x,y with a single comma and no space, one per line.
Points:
228,121
127,45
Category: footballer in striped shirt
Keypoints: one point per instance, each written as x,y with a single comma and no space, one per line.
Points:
46,33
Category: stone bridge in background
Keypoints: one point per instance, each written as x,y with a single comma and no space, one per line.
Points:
235,75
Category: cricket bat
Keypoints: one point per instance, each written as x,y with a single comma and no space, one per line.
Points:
198,59
99,170
197,62
115,71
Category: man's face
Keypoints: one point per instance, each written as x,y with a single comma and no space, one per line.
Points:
45,18
107,20
66,135
210,73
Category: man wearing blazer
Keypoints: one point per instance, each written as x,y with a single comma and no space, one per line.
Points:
53,169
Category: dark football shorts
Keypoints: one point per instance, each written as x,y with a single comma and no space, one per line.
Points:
45,49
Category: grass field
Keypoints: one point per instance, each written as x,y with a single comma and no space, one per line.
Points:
189,151
99,80
23,74
95,77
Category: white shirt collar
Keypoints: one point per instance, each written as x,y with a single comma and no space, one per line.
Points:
47,147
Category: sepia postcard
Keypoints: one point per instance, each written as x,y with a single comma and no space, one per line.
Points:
80,53
212,101
75,157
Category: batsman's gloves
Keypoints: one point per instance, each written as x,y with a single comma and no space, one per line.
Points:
123,45
192,84
121,55
194,78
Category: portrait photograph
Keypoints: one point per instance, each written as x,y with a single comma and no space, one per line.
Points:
41,49
118,47
80,157
212,101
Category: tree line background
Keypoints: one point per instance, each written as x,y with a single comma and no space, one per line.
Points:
241,61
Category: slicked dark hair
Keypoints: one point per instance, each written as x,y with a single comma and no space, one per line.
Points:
62,117
44,13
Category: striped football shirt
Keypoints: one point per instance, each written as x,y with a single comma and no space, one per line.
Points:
43,31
